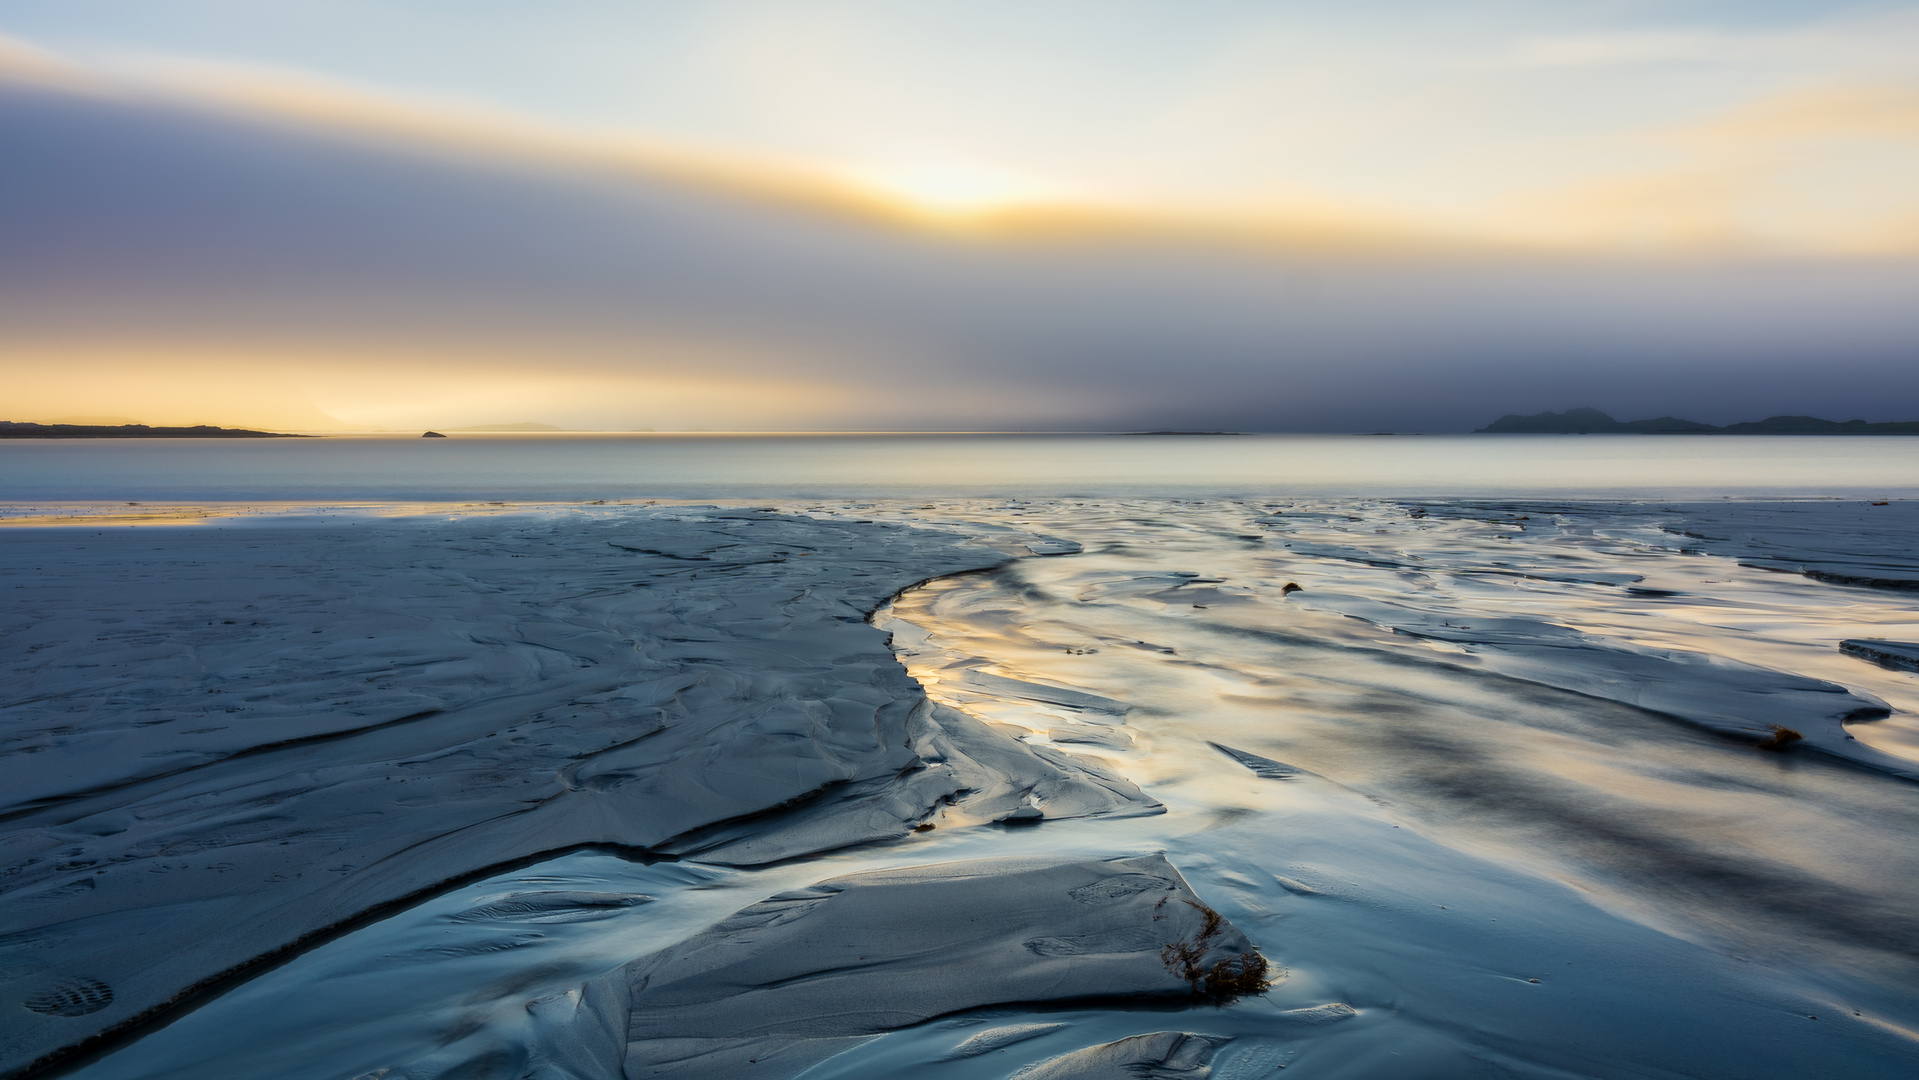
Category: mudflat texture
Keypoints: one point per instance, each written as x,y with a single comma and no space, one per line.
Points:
791,980
1498,787
217,742
1739,700
1839,543
1162,1055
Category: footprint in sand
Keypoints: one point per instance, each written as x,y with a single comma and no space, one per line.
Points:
1120,887
557,906
1116,942
71,997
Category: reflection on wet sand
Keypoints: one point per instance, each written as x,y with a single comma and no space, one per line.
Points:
1489,786
1467,671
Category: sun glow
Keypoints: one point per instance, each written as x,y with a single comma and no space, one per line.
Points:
953,188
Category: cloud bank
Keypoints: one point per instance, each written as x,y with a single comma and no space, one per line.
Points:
233,255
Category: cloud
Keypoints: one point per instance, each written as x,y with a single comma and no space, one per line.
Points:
1888,111
454,126
1627,49
1828,170
24,63
1744,177
1860,42
391,266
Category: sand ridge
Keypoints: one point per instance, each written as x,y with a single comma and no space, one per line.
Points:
790,981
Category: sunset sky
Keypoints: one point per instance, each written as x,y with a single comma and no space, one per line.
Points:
758,214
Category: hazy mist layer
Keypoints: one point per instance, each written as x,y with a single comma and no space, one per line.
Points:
181,260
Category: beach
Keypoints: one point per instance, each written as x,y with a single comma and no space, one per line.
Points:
771,540
451,791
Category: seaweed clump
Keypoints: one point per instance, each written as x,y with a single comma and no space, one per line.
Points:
1780,738
1227,980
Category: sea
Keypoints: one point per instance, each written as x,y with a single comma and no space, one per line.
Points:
584,467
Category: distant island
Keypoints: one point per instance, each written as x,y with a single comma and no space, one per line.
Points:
1594,422
12,430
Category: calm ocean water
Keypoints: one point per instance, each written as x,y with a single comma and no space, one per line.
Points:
571,467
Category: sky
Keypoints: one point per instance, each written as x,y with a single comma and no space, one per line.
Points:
763,214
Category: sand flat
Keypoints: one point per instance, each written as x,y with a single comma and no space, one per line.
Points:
1483,785
221,741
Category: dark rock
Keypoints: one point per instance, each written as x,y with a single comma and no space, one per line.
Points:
1898,655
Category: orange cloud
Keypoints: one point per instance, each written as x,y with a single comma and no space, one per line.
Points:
1828,171
874,193
1878,112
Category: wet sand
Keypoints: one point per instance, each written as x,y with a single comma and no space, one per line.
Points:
1488,789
